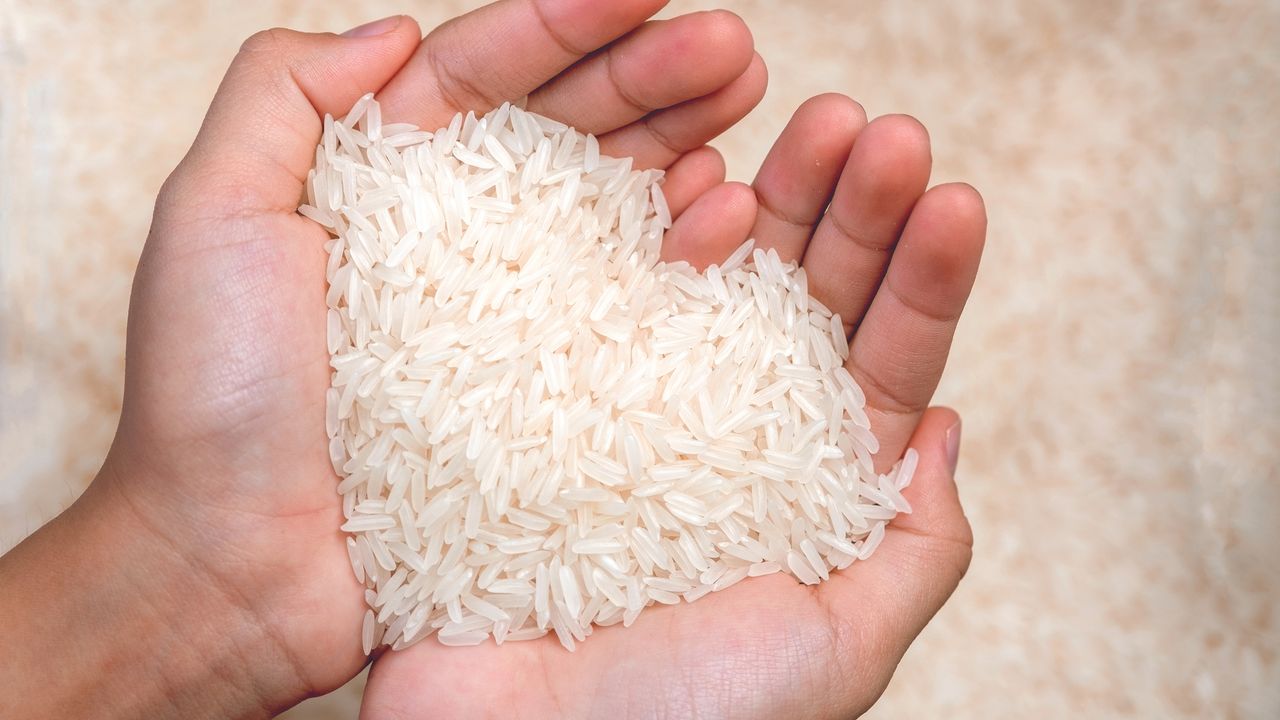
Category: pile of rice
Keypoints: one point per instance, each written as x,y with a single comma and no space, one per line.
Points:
539,426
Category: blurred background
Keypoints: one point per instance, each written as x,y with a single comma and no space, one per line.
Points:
1116,369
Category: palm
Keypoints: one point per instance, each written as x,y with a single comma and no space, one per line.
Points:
758,649
227,350
735,649
767,645
243,397
227,355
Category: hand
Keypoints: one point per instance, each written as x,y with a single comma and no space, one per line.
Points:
847,199
204,562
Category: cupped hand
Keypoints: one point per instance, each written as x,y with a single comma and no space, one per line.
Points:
220,461
847,199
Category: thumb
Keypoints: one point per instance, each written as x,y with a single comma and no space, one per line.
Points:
936,511
258,139
895,593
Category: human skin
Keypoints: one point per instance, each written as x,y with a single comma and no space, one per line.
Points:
202,572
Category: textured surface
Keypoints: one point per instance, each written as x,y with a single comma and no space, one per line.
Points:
1115,368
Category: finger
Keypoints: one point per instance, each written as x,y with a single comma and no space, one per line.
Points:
661,137
259,138
696,172
661,64
715,224
901,347
885,601
935,502
887,171
796,179
503,51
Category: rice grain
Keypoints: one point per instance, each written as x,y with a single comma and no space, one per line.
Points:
537,425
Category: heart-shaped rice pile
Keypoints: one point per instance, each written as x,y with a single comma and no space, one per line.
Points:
538,425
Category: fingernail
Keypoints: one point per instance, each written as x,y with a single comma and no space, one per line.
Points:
377,27
953,446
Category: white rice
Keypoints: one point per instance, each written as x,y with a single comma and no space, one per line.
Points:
540,427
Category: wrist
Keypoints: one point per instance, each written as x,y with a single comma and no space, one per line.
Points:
108,617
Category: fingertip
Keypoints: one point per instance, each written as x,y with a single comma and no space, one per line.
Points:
392,26
930,438
960,201
713,226
724,215
408,28
264,39
737,200
729,24
260,131
648,7
739,196
756,79
883,179
693,174
797,178
901,145
409,24
391,48
672,133
907,128
946,234
837,112
728,32
708,158
933,494
939,418
579,22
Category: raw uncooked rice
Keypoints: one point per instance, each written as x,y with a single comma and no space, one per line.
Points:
539,426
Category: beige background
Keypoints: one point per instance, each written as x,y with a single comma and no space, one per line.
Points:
1116,369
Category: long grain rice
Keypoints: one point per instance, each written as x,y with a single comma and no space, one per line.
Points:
538,426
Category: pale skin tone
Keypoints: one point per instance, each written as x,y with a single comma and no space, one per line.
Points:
202,573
